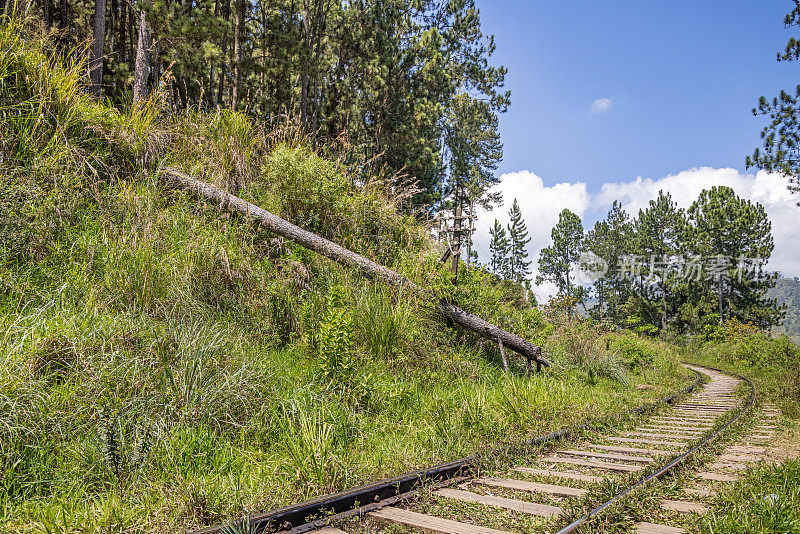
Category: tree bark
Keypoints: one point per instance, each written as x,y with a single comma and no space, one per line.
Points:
178,180
238,28
142,65
98,43
503,355
226,13
63,21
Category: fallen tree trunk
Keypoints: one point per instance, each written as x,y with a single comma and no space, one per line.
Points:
329,249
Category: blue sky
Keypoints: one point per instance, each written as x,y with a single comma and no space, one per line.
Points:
672,84
682,78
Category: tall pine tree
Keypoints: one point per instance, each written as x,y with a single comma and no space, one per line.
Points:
518,263
738,233
556,260
498,248
659,231
780,151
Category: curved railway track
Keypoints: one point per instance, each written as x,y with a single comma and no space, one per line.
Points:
546,488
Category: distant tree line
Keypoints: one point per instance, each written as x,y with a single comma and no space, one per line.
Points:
405,86
669,268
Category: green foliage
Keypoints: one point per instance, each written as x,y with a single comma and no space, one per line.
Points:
611,239
385,82
722,223
164,366
557,260
670,271
781,137
635,352
336,339
518,264
498,248
659,233
774,362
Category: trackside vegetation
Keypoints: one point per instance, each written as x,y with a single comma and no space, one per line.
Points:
165,366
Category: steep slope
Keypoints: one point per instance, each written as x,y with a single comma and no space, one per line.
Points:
164,365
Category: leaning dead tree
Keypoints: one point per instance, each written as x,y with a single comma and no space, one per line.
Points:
178,180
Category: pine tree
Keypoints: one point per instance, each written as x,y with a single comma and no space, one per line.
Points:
498,248
474,151
738,232
616,242
556,260
781,145
390,80
659,231
596,242
518,264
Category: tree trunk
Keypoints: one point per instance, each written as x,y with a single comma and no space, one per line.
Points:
98,43
226,13
329,249
238,28
63,21
503,355
471,229
142,65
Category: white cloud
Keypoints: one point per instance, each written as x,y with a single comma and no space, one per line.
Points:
540,206
768,189
601,105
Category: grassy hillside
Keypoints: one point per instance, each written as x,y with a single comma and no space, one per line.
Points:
164,366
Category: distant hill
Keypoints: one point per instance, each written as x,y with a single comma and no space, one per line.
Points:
787,291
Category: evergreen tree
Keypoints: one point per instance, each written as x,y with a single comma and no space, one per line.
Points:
617,244
737,233
596,242
556,260
381,83
474,151
518,264
659,231
498,248
781,145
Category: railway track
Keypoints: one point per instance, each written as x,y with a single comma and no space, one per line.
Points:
541,494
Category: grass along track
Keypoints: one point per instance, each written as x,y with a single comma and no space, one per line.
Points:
609,465
549,490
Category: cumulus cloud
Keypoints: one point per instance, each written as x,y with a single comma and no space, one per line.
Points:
768,189
540,206
601,105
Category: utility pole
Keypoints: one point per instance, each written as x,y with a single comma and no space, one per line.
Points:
453,236
456,241
472,218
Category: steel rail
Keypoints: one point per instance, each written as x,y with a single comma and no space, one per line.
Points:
575,525
316,513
